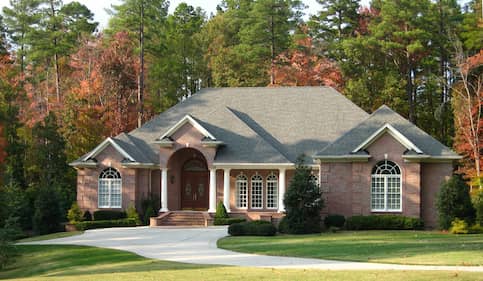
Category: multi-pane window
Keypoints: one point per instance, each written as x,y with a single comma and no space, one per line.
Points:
314,179
257,192
386,187
272,192
110,190
241,191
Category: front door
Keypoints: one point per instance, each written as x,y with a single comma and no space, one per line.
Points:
194,189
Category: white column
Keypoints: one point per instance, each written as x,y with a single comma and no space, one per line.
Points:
281,190
226,189
212,208
164,190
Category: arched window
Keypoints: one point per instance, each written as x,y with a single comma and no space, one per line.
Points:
110,189
386,187
272,191
241,191
257,192
315,179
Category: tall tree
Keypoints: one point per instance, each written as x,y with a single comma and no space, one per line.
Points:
337,20
403,35
267,32
19,20
144,20
468,110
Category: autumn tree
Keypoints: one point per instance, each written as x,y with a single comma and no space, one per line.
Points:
468,111
302,66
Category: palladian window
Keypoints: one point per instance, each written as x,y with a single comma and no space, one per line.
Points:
110,189
257,192
386,187
272,192
241,191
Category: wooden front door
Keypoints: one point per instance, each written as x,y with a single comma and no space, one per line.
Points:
194,187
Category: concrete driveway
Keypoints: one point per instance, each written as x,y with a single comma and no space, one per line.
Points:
198,245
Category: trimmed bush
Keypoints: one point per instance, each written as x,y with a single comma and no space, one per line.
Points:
255,228
131,213
221,211
103,215
84,225
87,216
149,208
380,222
227,221
74,214
459,227
453,201
334,221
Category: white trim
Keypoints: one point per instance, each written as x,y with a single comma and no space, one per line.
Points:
164,190
385,176
109,182
183,121
103,145
393,132
212,191
276,191
254,166
237,191
151,166
226,189
261,191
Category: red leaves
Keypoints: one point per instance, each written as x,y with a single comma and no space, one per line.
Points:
302,67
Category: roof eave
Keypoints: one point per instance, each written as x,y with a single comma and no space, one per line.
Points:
342,158
138,165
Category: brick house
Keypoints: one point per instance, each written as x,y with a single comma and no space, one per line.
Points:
239,146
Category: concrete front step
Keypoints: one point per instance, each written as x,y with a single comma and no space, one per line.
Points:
182,218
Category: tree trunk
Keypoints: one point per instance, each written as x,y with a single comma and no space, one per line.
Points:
56,56
141,70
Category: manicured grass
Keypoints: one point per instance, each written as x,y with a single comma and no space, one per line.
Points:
50,236
77,263
402,247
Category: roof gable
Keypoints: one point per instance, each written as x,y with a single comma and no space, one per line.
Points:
103,145
384,120
187,119
387,128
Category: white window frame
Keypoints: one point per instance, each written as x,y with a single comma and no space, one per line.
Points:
258,180
395,173
241,179
110,185
272,179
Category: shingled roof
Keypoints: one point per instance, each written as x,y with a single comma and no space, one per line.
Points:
419,143
272,125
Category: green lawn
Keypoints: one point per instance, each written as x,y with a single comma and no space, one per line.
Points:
50,236
402,247
77,263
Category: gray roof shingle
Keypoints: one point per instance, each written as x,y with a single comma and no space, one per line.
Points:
384,115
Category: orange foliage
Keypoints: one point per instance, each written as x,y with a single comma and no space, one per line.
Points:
468,114
302,67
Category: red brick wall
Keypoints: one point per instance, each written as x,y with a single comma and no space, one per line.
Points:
87,180
433,175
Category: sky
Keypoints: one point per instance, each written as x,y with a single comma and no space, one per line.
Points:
98,7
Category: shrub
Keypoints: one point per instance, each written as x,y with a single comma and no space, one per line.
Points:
87,216
7,249
84,225
103,215
477,200
147,216
221,211
255,228
74,214
459,227
476,228
227,221
383,222
453,201
131,213
148,207
47,215
303,202
334,221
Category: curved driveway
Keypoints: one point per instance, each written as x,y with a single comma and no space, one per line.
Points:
198,245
